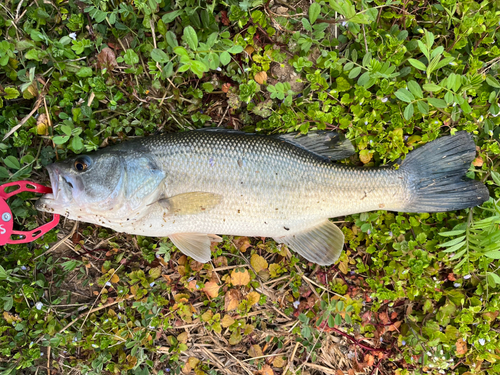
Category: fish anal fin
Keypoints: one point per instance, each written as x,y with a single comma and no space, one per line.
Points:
326,144
190,203
321,244
195,245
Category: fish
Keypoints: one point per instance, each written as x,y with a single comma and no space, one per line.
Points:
196,185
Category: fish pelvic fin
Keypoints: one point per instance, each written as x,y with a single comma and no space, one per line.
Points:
321,244
435,176
195,245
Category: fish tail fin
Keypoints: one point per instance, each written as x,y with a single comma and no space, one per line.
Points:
435,174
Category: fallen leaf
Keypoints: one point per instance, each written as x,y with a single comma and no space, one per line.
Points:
266,370
227,321
220,261
258,263
255,351
42,126
225,87
369,359
339,372
183,337
106,59
279,362
253,298
240,277
192,286
451,277
478,162
207,315
260,77
384,318
115,278
242,243
249,50
196,266
461,346
211,289
232,299
365,156
224,18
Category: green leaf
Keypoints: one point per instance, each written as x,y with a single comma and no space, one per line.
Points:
408,113
367,58
159,56
496,177
4,173
84,72
438,103
182,53
431,87
9,302
314,11
225,58
355,72
190,37
415,89
198,68
348,66
495,254
169,17
130,57
364,79
59,140
423,107
492,81
452,233
11,93
494,276
12,162
452,242
417,64
235,49
404,95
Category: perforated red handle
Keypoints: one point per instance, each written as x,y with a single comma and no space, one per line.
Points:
6,217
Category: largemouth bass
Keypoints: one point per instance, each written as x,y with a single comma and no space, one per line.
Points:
190,186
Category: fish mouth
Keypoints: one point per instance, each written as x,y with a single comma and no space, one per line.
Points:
47,202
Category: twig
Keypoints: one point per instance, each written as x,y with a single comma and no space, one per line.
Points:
59,243
291,358
26,118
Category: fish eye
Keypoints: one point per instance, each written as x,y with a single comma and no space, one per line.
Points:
81,164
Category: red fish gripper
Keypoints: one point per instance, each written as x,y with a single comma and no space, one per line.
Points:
7,219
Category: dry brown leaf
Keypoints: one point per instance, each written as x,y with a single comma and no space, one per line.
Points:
211,289
225,87
478,162
369,359
227,321
255,351
266,370
232,299
339,372
258,263
42,126
365,156
343,267
395,326
196,266
253,298
192,286
260,77
279,362
115,278
183,337
240,277
461,346
242,243
249,50
351,372
106,59
220,261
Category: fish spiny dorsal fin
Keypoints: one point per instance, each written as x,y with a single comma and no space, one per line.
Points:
190,203
195,245
321,244
328,145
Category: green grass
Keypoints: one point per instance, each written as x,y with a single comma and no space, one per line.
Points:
412,293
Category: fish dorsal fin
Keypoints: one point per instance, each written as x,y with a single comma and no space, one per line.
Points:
328,145
190,203
195,245
321,244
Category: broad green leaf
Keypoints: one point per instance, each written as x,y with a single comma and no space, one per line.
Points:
408,113
444,62
423,107
235,49
348,66
159,55
364,79
367,58
225,58
190,37
314,11
11,93
59,140
449,97
494,276
4,173
169,17
198,68
12,162
496,177
417,64
493,82
415,89
355,72
84,72
438,103
431,87
404,95
493,254
466,107
130,57
182,53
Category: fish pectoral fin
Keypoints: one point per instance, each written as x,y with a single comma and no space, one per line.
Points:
321,244
190,203
195,245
